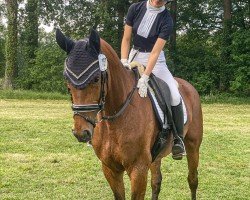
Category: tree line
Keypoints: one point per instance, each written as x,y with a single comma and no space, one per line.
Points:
209,46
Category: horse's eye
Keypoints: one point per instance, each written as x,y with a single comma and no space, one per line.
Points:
96,79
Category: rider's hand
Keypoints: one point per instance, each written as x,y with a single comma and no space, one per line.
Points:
143,85
125,63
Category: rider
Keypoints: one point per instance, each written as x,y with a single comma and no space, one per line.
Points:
151,25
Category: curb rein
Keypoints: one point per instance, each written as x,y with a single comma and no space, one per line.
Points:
80,109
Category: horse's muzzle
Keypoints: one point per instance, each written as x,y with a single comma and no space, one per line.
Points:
84,136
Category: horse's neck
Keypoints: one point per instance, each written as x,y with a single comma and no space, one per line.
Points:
120,81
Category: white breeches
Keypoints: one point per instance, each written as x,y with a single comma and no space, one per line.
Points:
161,71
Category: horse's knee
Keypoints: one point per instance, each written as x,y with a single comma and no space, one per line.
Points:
138,177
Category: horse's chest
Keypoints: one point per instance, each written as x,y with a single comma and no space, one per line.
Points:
110,154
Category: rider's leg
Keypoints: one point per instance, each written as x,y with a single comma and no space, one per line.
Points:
163,73
178,149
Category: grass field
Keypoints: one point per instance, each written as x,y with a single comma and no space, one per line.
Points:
40,159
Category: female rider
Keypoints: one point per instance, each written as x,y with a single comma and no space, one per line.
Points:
150,24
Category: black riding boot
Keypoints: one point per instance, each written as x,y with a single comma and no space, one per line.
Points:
178,149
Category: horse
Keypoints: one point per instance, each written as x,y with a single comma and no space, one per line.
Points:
123,142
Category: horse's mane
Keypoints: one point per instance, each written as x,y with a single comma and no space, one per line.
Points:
124,79
110,53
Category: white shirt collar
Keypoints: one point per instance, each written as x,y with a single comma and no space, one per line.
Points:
154,9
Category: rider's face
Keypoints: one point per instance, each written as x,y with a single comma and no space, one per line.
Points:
157,3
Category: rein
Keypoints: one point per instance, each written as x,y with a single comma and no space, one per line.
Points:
129,97
80,109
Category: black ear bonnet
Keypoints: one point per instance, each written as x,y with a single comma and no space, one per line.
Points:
81,65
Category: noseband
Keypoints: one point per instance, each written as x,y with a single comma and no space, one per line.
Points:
80,109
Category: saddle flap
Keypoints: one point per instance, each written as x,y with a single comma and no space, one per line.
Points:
160,90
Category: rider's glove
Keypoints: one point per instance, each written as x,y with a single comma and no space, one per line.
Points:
125,63
143,85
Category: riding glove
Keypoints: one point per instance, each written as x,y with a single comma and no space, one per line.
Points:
125,63
143,85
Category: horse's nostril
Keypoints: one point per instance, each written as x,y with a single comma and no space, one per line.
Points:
86,135
86,132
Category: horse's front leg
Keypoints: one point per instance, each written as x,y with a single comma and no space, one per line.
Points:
156,178
115,180
138,178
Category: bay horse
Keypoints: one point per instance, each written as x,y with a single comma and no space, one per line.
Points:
125,142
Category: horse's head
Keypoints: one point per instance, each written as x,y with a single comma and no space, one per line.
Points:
85,73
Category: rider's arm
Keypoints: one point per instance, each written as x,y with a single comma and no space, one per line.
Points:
164,34
160,43
125,46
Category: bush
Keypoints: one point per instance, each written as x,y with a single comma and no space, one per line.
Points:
241,63
45,73
197,62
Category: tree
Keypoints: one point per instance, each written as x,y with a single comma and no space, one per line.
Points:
240,51
2,56
241,9
75,19
111,16
31,29
28,42
226,72
11,44
172,44
2,41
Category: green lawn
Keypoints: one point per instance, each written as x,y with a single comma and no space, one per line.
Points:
40,159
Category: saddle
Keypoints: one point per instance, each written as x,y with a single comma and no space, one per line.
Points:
159,94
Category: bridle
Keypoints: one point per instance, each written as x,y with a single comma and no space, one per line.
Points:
80,110
87,108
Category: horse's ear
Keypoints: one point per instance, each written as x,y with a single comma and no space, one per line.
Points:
65,43
94,41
